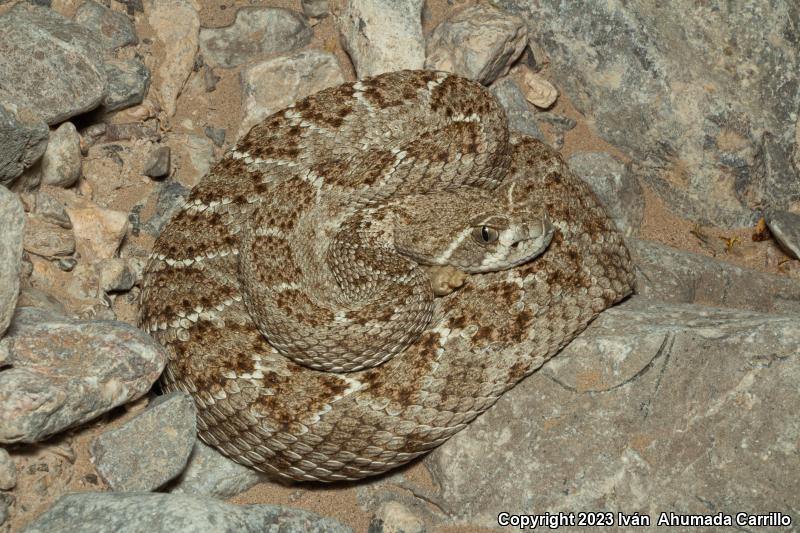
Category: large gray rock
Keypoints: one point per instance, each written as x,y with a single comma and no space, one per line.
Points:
257,31
676,276
381,35
23,139
479,42
655,407
611,181
209,473
153,512
55,64
273,84
151,448
66,372
112,28
12,220
690,91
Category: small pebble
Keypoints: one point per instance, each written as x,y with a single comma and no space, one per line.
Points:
217,135
539,91
785,227
158,163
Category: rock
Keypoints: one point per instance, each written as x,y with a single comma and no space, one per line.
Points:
653,403
158,163
23,139
721,150
67,372
785,227
43,238
5,503
539,91
55,63
49,209
315,8
276,83
61,163
257,31
394,517
150,449
176,24
519,116
31,297
128,81
209,473
676,276
479,42
142,511
611,181
171,197
112,28
217,135
381,35
12,220
193,155
67,264
8,472
98,231
117,274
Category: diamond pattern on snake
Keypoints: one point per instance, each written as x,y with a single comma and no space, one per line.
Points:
368,270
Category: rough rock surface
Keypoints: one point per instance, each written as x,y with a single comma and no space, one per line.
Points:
150,449
315,8
112,28
67,372
43,237
176,24
23,139
98,231
381,35
785,227
692,94
39,44
209,473
274,84
128,81
676,276
12,220
8,472
619,191
136,512
519,116
480,42
654,405
257,31
61,162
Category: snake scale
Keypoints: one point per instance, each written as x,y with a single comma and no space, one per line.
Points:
368,270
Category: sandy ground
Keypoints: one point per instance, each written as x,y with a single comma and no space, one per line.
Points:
222,109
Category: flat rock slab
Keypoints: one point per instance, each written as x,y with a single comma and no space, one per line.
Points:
66,372
136,512
23,139
151,448
256,31
655,407
785,227
12,220
676,276
56,64
381,35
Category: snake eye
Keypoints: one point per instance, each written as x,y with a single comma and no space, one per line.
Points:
485,234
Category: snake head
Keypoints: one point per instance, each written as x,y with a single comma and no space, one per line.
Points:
471,230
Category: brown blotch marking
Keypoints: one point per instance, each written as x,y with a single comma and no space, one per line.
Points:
290,400
296,304
179,239
414,365
344,174
279,256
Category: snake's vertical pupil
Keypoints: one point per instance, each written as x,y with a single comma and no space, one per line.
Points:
485,233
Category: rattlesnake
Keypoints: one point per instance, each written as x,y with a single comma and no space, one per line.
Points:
275,288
